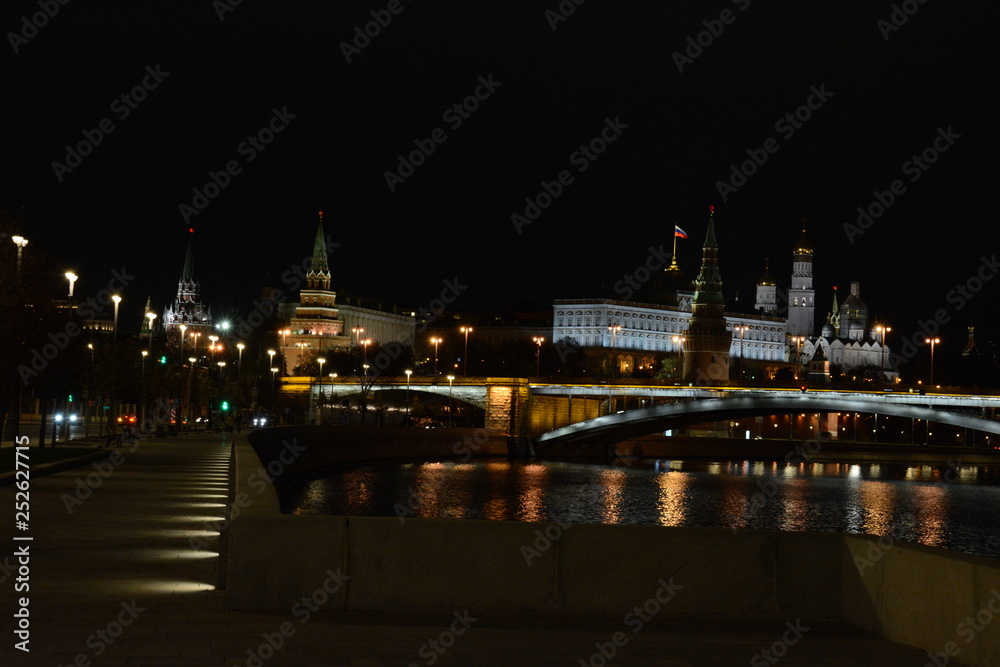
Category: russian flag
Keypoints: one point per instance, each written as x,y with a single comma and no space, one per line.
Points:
680,232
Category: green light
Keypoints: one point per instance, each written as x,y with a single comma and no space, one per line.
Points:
225,405
163,359
70,399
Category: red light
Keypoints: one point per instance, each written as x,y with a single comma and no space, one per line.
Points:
711,209
190,230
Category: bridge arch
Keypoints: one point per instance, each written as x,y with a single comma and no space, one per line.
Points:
644,421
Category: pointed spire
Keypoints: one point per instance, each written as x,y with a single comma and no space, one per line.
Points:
710,241
834,309
187,274
708,284
766,280
970,345
320,263
803,247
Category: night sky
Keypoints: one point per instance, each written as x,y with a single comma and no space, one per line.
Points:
452,217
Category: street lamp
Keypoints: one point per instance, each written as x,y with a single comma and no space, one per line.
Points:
436,342
320,361
240,346
191,361
366,342
183,329
742,330
408,374
195,335
883,330
20,242
465,359
538,340
614,329
270,354
117,299
678,342
451,404
221,365
72,278
799,340
151,316
212,346
933,342
142,387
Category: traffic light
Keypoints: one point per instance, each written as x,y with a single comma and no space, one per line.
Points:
70,399
225,405
163,359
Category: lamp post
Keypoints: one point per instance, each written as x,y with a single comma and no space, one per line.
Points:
742,329
151,316
933,342
274,370
196,336
883,330
451,404
465,359
678,342
212,346
183,329
90,392
614,329
72,278
142,387
114,336
436,341
408,374
365,343
20,242
191,361
240,346
319,403
799,340
270,355
538,340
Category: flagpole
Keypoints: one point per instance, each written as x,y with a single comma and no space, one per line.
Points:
673,258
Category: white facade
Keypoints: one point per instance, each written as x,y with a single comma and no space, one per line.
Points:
652,328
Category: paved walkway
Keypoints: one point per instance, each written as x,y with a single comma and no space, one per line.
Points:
114,581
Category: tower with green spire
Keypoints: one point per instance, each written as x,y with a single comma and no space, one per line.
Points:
316,325
707,342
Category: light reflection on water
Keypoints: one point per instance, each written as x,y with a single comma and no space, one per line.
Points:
955,507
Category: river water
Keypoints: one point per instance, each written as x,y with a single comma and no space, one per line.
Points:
956,507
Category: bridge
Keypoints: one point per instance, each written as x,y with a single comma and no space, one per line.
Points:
605,412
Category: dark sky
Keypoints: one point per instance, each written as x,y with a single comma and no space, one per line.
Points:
452,217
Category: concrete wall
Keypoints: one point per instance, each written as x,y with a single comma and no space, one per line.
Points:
909,593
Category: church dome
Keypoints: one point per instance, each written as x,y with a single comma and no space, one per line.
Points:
803,246
766,280
828,331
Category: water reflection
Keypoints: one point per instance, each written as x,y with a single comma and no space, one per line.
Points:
945,506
